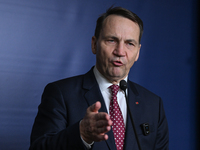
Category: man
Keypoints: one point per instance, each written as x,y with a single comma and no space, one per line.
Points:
76,113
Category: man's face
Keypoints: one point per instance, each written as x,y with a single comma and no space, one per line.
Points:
117,47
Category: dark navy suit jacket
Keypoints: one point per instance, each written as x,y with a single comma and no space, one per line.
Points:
64,104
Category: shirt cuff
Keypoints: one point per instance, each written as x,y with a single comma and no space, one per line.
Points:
86,144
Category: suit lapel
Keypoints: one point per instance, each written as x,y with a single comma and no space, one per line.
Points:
92,95
134,104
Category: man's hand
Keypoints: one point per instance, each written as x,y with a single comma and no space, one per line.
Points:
95,124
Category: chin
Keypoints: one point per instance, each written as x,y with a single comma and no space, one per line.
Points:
118,76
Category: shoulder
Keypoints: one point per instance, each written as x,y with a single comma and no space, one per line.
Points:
74,82
66,84
69,80
142,91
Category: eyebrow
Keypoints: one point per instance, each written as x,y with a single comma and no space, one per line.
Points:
116,38
112,37
132,40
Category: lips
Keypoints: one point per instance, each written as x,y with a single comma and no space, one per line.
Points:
117,63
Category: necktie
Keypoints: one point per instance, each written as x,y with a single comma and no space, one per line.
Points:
117,118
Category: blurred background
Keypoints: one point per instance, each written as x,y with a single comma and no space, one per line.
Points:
44,41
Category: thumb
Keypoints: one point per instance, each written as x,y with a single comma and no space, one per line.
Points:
95,107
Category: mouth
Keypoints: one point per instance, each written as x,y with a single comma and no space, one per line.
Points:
117,63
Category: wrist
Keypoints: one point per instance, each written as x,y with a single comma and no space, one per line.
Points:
83,134
88,144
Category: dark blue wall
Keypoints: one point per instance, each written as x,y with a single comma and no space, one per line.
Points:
43,41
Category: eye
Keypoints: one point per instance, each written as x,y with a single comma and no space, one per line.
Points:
110,41
130,44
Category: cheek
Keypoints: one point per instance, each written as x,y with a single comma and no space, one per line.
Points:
104,53
101,57
130,64
131,60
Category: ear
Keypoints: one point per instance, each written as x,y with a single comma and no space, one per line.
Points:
94,45
138,53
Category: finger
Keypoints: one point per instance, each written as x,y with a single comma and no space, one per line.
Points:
102,116
101,137
95,107
103,123
102,130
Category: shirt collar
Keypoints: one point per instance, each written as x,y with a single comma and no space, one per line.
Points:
102,81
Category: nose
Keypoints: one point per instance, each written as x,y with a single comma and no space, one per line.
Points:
119,50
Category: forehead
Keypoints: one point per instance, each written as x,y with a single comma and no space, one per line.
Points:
116,24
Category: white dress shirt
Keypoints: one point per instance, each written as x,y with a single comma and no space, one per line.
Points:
103,85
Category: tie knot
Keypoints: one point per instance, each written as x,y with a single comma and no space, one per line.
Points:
114,89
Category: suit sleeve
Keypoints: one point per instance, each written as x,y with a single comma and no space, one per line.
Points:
162,139
51,129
